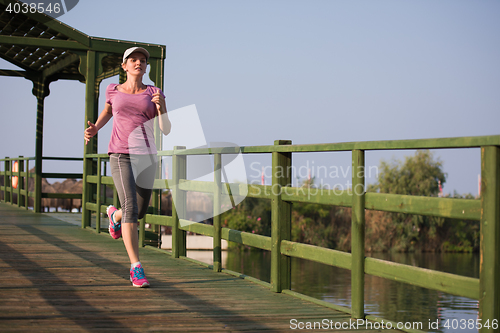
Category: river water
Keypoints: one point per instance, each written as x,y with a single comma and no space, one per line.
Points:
390,300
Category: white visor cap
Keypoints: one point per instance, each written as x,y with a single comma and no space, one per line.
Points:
131,50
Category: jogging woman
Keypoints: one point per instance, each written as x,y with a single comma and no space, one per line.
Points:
132,151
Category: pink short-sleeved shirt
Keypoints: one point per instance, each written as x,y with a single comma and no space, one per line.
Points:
133,124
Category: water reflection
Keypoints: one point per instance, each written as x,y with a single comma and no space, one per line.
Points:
391,300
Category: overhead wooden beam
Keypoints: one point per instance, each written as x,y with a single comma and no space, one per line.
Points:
42,42
98,45
53,69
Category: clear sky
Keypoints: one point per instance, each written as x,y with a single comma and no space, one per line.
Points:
307,71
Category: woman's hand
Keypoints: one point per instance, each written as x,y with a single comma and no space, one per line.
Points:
90,132
159,101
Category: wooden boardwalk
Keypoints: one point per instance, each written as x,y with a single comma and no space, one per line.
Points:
57,277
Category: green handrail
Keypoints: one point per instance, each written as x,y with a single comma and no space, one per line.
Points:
485,289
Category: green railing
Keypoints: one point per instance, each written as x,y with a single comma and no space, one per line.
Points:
486,289
24,175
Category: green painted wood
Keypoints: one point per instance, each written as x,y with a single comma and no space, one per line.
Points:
95,155
468,209
161,183
318,196
316,253
358,235
246,238
259,191
7,180
20,182
437,143
195,185
217,202
60,65
42,42
426,278
160,220
91,103
196,227
40,93
106,180
281,219
98,197
179,172
489,266
27,176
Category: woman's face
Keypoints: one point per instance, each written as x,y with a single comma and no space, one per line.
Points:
136,64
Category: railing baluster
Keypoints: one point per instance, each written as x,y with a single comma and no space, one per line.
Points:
178,204
7,182
281,214
358,234
98,197
217,242
26,185
20,168
489,267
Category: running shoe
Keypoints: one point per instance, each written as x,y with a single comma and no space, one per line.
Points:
137,277
115,228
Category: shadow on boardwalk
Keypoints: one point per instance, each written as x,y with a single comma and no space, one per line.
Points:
56,276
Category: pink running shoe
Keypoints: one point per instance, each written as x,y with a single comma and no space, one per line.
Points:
137,277
115,228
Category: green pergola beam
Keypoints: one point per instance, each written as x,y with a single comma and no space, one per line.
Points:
53,69
98,45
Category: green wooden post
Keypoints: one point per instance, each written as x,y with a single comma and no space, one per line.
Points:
98,198
358,234
489,267
7,181
89,68
20,168
40,91
281,214
217,242
11,173
156,75
178,204
26,185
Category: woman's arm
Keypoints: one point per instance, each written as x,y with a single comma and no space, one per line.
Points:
161,108
103,119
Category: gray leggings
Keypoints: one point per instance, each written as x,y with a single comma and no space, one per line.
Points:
133,176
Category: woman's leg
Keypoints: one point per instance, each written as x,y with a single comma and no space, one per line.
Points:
123,177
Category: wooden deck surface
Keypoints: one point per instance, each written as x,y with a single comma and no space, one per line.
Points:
57,277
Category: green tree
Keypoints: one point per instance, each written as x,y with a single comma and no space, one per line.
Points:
418,175
321,225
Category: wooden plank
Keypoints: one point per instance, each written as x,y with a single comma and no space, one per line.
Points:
467,209
196,227
319,196
445,282
246,238
315,253
160,220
